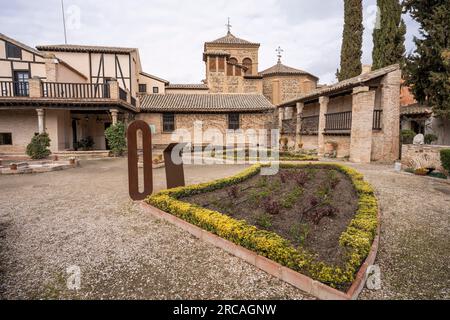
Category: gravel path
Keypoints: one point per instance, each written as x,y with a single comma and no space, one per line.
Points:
83,217
414,253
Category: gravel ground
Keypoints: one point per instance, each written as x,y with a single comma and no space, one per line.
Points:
83,217
414,253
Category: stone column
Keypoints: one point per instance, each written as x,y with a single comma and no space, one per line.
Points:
298,128
41,120
363,105
280,118
323,101
390,103
114,115
113,89
35,87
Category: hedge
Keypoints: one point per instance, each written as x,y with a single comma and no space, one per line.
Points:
445,159
357,239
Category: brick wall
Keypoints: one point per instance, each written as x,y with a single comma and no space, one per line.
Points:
218,122
23,124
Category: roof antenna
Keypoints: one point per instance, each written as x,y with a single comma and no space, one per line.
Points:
228,25
64,21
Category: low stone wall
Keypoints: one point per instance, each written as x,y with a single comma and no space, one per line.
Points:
422,156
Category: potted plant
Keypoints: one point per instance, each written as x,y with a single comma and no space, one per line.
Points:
408,136
430,138
421,172
284,143
331,149
86,144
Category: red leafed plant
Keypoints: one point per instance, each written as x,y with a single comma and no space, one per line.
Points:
233,192
271,206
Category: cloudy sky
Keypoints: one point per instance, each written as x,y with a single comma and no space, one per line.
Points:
170,33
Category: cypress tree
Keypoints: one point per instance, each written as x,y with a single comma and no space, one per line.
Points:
389,38
351,51
427,69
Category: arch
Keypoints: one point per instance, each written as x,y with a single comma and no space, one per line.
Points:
247,62
230,66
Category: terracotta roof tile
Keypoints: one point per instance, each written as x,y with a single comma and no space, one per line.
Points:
232,39
197,86
203,103
148,75
415,109
343,85
281,69
82,48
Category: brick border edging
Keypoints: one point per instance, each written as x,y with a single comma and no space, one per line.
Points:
298,280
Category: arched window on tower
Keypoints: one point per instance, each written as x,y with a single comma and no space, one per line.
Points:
230,67
247,62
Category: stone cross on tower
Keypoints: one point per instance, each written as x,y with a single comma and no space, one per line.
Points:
228,25
279,51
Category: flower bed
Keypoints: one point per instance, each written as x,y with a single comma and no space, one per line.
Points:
356,240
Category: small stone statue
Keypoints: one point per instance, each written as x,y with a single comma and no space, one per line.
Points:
419,140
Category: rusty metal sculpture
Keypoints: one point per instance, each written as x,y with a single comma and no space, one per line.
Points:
133,157
174,170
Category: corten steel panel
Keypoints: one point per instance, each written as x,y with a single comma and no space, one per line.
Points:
174,171
133,170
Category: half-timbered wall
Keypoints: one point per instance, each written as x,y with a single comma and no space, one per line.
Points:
29,61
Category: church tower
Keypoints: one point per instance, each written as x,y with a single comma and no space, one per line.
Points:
232,65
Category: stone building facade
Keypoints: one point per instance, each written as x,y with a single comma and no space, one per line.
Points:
232,67
358,119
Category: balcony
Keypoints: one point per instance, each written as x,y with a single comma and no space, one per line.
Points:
76,91
60,94
14,89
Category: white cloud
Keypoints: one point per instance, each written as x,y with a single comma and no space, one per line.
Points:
170,33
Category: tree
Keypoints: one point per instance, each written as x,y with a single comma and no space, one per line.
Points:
38,147
427,69
351,51
389,38
116,138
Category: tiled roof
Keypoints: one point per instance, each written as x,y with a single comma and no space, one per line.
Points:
231,39
281,69
415,109
81,48
204,103
198,86
148,75
343,85
20,44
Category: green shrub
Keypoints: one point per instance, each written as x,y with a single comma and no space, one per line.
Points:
430,138
116,139
86,144
437,175
408,136
38,147
445,159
